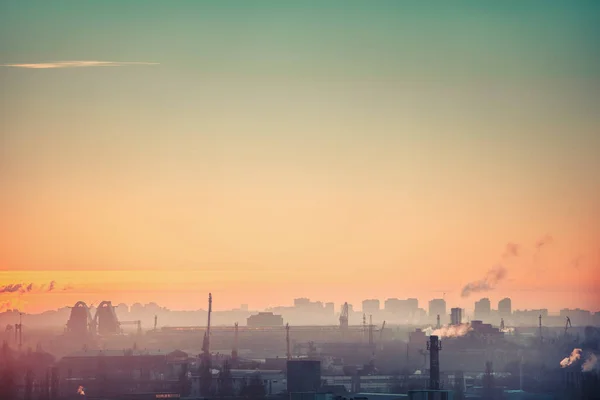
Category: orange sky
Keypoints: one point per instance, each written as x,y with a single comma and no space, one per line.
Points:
376,153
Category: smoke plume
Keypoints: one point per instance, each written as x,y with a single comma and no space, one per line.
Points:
11,288
546,240
449,331
590,364
512,250
22,288
489,282
568,361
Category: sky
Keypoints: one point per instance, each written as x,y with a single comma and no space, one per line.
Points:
266,150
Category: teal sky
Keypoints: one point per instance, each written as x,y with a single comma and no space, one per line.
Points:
305,135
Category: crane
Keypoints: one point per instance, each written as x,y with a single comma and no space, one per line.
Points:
381,335
567,325
344,317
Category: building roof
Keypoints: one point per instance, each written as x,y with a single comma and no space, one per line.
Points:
116,353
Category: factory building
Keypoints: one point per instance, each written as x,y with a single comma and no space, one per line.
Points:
456,316
264,319
370,306
303,376
505,307
482,309
109,373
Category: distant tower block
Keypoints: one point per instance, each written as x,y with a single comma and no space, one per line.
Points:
456,316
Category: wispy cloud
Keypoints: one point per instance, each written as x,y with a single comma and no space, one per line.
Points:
76,64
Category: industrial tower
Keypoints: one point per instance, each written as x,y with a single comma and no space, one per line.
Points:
434,346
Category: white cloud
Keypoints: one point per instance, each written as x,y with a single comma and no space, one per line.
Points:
76,64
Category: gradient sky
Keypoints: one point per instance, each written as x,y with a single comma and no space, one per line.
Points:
336,150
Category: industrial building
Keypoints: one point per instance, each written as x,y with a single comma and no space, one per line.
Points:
303,376
264,319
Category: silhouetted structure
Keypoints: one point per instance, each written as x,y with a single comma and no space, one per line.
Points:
434,346
456,316
303,376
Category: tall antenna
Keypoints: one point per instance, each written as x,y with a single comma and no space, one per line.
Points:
540,329
288,355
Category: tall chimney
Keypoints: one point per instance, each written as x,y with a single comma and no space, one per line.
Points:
434,346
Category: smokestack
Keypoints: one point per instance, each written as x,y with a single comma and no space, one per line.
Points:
434,346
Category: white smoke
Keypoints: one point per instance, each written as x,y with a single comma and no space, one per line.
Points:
507,330
590,364
567,361
449,331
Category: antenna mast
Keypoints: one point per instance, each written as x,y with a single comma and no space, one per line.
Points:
288,355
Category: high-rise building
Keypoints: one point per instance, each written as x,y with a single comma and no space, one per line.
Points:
301,302
403,308
482,309
505,307
437,307
412,305
456,316
329,308
370,306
